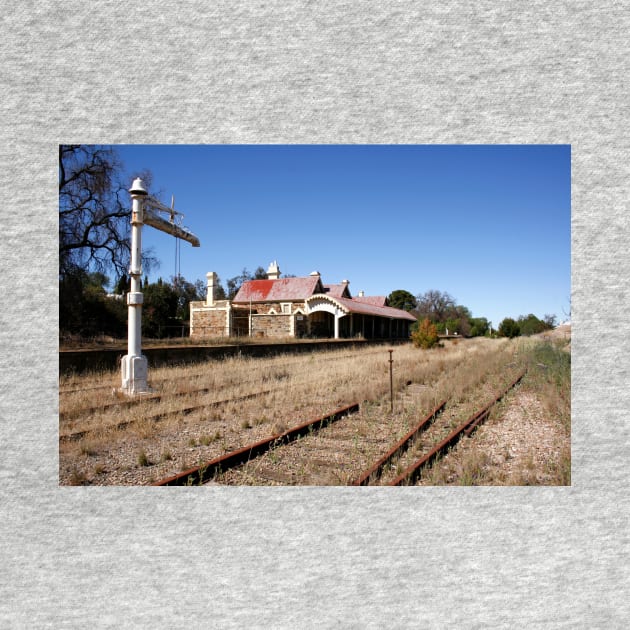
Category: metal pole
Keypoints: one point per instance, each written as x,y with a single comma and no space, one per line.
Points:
391,381
144,210
134,366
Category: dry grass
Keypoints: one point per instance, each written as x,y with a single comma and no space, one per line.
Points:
527,440
299,387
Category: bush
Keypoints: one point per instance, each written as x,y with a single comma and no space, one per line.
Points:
426,335
509,328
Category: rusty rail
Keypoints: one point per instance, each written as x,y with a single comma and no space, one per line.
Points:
77,435
398,448
123,404
413,472
199,474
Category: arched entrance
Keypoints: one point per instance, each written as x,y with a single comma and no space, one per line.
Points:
322,324
325,314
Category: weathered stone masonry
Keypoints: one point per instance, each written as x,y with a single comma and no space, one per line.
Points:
296,307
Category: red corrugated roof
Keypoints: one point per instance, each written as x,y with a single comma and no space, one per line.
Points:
283,289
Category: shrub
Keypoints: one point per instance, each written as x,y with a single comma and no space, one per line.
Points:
509,328
426,336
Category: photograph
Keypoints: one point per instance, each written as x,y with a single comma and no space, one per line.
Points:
315,315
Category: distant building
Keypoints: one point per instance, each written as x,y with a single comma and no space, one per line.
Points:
296,307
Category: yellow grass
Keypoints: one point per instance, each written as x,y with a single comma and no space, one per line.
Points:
299,388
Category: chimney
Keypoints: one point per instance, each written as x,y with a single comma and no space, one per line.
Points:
212,286
273,273
361,293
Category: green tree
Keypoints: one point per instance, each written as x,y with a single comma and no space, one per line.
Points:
402,299
531,325
453,326
479,326
187,292
509,328
123,284
220,293
441,309
159,310
86,310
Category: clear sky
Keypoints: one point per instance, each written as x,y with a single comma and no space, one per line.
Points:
488,224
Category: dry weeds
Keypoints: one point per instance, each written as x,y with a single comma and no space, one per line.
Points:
298,388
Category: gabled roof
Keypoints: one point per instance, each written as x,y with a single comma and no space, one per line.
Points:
298,289
351,305
337,290
280,290
376,300
354,306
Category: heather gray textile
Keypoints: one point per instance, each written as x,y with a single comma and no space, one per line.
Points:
314,72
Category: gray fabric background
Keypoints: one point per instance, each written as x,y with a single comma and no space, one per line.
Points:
314,72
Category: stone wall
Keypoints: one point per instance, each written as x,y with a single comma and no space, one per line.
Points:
207,321
268,320
271,325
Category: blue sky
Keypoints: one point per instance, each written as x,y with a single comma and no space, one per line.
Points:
489,224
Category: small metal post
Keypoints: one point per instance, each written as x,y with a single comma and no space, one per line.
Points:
391,381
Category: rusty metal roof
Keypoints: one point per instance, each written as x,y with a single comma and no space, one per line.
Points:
337,290
280,290
375,300
350,305
355,306
298,289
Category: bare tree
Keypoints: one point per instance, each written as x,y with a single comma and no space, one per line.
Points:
94,211
436,306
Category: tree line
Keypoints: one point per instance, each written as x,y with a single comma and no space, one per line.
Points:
441,312
88,309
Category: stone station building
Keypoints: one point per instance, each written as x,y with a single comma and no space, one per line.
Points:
296,307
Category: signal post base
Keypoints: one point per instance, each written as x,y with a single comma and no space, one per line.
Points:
134,370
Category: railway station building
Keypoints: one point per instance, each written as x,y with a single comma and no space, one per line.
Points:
296,307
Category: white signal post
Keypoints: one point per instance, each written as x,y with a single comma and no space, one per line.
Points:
144,209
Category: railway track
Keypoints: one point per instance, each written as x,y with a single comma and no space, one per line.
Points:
157,397
184,411
413,470
122,405
142,440
324,451
157,417
200,474
127,405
